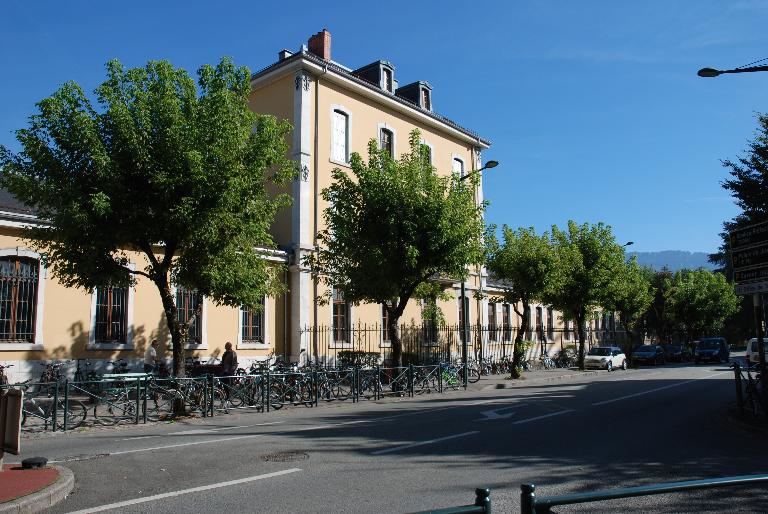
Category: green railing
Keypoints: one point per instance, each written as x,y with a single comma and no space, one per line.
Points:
482,505
531,504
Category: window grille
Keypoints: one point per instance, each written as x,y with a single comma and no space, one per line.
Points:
340,317
185,307
111,315
492,321
253,324
18,298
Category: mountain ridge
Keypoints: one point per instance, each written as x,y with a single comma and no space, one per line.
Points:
673,259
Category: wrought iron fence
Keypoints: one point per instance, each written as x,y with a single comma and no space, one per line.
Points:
368,344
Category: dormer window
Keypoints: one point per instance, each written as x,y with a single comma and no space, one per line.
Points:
426,102
387,79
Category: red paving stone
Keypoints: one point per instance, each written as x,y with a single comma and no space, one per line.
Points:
16,482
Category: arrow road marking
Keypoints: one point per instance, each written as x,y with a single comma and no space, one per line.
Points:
491,415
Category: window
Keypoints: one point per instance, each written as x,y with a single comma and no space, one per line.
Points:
386,139
567,329
551,323
340,135
492,321
384,325
425,100
111,324
458,167
463,315
506,322
186,301
253,324
426,153
340,317
18,298
388,80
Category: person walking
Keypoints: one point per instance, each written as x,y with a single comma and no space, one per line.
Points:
150,357
228,366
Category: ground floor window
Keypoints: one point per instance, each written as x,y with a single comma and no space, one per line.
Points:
18,298
186,301
111,315
253,324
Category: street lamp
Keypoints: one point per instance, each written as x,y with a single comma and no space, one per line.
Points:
711,72
628,243
464,303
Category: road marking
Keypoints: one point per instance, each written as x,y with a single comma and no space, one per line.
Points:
179,445
494,414
542,417
196,431
612,400
137,437
422,443
146,499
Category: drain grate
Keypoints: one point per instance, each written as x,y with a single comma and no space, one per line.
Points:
290,456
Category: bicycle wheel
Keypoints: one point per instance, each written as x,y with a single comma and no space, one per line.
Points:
473,375
76,414
276,396
160,404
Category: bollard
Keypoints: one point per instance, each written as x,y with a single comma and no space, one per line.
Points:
527,499
739,392
138,399
483,499
66,403
410,379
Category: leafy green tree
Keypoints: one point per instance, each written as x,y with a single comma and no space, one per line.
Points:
658,314
524,263
700,302
631,295
587,262
161,167
392,225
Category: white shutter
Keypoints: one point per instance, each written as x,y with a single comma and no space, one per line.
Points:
458,167
339,136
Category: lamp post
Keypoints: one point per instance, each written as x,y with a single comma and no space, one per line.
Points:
464,302
712,72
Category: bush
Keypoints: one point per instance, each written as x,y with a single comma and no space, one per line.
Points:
358,358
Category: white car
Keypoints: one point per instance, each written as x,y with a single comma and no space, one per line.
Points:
605,357
753,351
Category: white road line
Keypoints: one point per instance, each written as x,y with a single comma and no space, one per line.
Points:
422,443
612,400
179,445
146,499
137,437
196,431
542,417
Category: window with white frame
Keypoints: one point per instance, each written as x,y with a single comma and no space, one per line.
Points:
492,322
458,167
186,301
506,322
111,323
19,281
253,324
385,340
340,317
340,136
386,141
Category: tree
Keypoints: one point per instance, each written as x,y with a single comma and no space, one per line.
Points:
392,225
587,261
701,301
524,263
161,168
631,295
658,312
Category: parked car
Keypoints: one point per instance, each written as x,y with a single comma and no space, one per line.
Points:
677,352
711,349
753,351
649,354
605,357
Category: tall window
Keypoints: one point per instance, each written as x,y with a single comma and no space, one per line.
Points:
463,315
506,322
551,323
567,329
253,324
111,315
340,317
492,322
426,101
18,298
458,167
340,134
185,305
385,141
384,325
388,80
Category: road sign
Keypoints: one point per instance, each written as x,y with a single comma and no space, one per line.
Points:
749,257
743,276
751,288
752,235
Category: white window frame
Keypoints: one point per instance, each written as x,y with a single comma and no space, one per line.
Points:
243,345
42,275
350,323
431,151
459,158
203,345
384,343
386,126
128,345
346,112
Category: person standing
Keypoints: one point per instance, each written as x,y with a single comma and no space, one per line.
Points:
150,357
228,367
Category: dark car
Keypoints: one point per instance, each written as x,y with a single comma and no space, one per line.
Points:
649,353
677,353
711,349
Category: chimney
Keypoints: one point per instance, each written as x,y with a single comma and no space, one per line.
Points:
320,44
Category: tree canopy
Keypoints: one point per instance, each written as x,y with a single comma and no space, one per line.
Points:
393,225
159,165
700,302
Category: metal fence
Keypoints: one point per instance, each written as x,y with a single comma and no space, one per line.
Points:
370,344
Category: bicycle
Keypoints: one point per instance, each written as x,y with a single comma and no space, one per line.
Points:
547,362
51,410
3,377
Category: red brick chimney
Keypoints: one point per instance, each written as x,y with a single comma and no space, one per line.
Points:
320,44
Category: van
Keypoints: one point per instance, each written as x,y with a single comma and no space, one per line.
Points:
753,351
713,349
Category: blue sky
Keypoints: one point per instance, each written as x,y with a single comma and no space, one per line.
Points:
594,108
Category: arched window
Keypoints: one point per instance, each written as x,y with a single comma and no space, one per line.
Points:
18,298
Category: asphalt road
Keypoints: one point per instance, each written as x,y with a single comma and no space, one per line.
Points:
593,432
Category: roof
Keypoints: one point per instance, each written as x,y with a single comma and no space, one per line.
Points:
9,203
348,74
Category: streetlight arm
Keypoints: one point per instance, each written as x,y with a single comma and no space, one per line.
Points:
711,72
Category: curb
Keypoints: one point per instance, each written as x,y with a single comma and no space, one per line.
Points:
45,498
526,380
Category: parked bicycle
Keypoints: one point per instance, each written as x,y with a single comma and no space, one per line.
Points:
51,411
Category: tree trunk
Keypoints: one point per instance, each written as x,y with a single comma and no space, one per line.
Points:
394,339
172,320
517,350
580,324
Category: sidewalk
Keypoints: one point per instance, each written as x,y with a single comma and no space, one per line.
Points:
491,382
33,490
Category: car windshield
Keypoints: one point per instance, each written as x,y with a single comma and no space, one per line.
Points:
646,349
600,351
708,345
